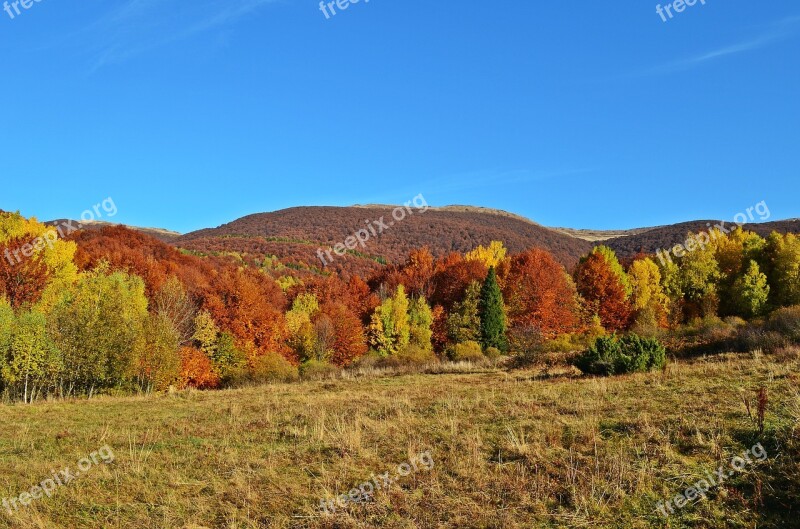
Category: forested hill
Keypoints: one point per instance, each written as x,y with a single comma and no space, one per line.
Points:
298,233
649,241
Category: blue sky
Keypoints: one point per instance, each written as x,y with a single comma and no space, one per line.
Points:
589,115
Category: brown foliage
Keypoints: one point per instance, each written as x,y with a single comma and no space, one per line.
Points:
452,276
197,371
299,232
439,329
250,305
538,293
22,279
603,292
354,294
247,303
649,241
348,339
140,254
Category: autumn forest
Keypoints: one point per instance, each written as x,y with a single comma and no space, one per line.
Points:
113,310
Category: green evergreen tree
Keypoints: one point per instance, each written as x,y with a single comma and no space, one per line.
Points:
493,316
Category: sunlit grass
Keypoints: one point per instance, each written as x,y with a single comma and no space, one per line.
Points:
511,450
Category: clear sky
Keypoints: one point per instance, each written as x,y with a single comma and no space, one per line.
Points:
190,114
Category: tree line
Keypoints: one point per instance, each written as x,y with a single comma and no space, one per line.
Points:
116,311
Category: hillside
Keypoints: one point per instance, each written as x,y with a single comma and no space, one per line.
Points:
653,239
295,235
298,233
157,233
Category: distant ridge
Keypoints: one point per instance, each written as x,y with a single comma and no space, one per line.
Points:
157,233
295,235
298,233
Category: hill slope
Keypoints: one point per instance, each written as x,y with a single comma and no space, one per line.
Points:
663,237
298,233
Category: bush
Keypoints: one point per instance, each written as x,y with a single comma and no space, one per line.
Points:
493,353
615,356
270,368
409,356
647,322
197,371
786,321
317,370
754,338
466,352
526,344
735,321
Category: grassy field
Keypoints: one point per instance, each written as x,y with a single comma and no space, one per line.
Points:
509,450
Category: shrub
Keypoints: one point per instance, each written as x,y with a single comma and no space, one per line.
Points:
466,352
317,370
735,321
786,321
600,358
614,356
268,368
526,343
197,371
409,356
493,353
647,322
415,355
755,338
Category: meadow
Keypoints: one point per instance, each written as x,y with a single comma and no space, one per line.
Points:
510,449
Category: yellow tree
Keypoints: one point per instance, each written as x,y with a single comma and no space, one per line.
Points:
648,298
298,324
491,256
42,243
389,329
734,253
784,255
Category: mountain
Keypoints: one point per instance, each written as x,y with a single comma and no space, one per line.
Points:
158,233
301,237
650,240
300,234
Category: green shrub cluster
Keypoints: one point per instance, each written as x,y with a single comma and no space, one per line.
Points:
612,355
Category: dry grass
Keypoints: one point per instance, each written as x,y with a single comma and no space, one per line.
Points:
511,450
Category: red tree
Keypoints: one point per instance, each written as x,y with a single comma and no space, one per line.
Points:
452,276
349,341
538,294
250,305
197,371
22,279
603,292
